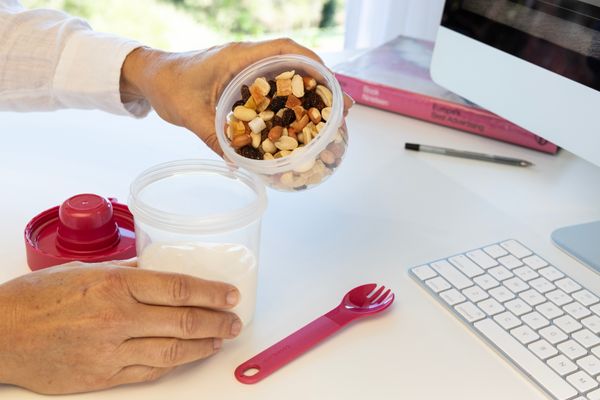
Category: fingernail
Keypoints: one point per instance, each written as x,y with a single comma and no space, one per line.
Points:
232,297
236,327
217,343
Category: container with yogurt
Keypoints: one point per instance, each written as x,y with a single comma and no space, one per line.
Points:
201,218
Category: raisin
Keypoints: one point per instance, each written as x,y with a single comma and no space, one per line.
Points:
245,91
277,103
250,152
277,121
319,105
300,187
264,135
310,99
268,125
273,87
237,103
288,117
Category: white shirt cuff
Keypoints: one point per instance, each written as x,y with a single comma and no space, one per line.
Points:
89,72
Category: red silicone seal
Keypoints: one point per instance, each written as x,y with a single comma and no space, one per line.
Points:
86,227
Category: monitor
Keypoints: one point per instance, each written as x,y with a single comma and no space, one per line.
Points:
537,64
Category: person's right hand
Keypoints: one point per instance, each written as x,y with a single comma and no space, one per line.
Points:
78,328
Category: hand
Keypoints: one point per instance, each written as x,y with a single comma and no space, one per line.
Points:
184,88
78,328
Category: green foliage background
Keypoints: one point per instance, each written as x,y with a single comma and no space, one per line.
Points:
190,24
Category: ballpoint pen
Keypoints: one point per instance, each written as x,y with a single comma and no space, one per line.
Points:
468,154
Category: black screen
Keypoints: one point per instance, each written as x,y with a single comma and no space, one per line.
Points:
562,36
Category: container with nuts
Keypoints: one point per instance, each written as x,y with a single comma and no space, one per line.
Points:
282,119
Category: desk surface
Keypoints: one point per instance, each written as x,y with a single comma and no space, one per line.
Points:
384,211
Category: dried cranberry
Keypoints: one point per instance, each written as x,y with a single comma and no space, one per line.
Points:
288,117
277,103
245,91
273,86
250,152
237,103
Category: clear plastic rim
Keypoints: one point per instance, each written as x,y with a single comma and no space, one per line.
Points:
313,148
216,223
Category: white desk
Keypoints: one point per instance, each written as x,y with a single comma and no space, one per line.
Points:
384,211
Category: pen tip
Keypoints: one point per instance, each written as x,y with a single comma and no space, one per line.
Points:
526,164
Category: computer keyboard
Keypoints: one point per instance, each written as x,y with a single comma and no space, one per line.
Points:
540,319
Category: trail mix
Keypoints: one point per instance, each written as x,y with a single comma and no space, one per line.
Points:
277,117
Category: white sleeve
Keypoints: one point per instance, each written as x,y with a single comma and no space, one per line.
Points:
50,60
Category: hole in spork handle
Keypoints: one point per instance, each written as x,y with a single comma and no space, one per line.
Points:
251,371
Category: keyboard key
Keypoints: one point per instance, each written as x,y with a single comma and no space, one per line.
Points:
582,381
525,273
517,307
507,320
424,272
500,273
568,285
585,297
524,334
553,334
510,261
515,284
594,395
491,307
533,367
562,365
551,273
586,338
516,248
466,266
576,310
486,282
532,297
571,349
567,324
590,364
452,297
470,311
495,251
501,294
437,284
535,262
535,320
542,285
549,310
592,323
559,297
595,309
542,349
475,293
482,259
454,276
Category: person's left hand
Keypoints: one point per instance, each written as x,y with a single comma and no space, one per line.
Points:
184,88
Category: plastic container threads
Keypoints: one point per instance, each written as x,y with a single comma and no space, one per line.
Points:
201,218
305,167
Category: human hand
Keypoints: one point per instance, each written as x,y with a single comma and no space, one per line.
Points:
184,88
78,328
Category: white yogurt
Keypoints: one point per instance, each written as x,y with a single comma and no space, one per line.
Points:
230,263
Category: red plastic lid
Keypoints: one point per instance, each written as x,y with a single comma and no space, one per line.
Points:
86,227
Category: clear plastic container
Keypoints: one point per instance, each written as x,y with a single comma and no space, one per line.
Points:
307,166
201,218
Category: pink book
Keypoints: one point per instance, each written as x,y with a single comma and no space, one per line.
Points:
395,77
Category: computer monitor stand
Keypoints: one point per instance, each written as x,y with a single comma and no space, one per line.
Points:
580,241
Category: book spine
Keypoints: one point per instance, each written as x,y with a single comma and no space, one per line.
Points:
458,116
